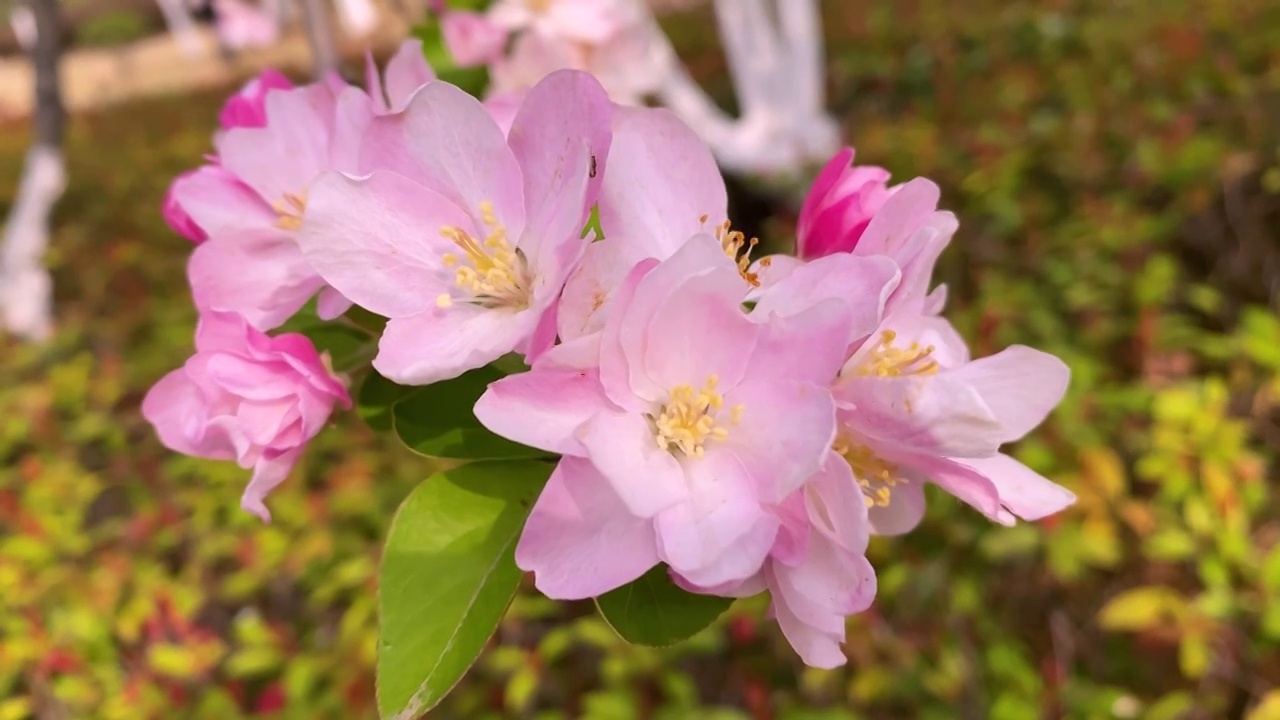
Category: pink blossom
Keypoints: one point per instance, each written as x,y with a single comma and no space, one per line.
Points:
246,397
663,187
683,422
471,38
248,107
849,210
177,217
463,237
243,25
406,71
251,202
629,64
915,408
583,21
839,206
816,573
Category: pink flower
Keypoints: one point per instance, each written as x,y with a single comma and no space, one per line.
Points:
177,217
241,25
407,71
662,188
914,408
840,204
849,210
464,238
246,397
471,38
248,107
584,21
681,432
251,203
817,573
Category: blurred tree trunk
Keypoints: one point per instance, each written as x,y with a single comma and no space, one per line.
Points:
26,290
319,33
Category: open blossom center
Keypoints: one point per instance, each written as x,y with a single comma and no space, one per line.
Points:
490,270
888,360
875,475
290,209
690,418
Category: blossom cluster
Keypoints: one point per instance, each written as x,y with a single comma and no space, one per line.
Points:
747,423
523,41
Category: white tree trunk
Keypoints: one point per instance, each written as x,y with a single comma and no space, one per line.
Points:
775,58
26,290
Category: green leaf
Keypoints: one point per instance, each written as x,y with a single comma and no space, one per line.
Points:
448,574
1142,608
377,397
349,347
438,421
653,611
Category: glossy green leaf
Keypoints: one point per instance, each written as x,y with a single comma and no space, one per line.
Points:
448,574
652,610
437,421
349,347
376,399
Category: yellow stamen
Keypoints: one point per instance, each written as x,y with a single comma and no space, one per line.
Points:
875,475
688,419
887,360
738,248
490,269
290,210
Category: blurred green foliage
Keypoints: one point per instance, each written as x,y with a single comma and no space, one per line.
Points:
1116,170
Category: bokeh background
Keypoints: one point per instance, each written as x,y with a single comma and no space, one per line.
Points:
1116,170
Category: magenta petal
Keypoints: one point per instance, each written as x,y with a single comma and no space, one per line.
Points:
215,202
542,408
623,448
580,541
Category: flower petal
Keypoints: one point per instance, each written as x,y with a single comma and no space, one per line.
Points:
261,275
902,514
622,447
543,408
441,344
377,240
863,284
561,133
406,71
446,141
1020,385
662,182
1026,493
784,433
720,515
580,540
267,475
